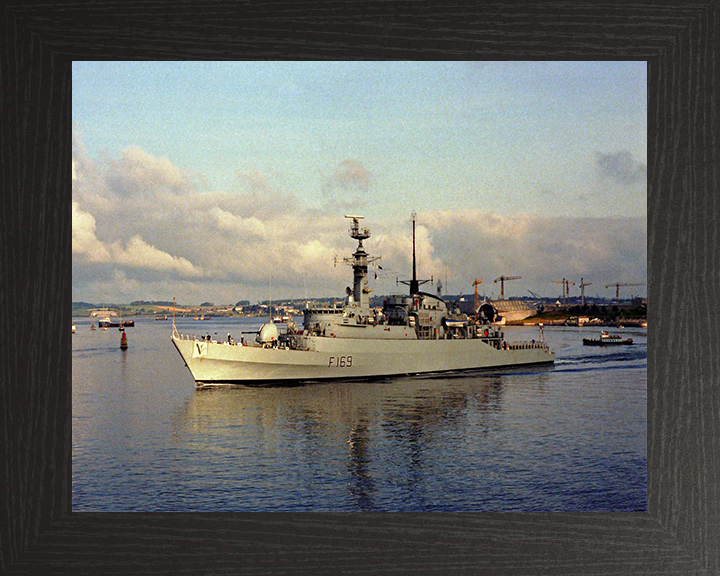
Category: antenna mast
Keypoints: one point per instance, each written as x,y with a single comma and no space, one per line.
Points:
414,286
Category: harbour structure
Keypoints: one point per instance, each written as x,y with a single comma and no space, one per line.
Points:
411,334
513,310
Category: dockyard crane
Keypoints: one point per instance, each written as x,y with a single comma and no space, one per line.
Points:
582,290
566,288
502,280
617,288
477,298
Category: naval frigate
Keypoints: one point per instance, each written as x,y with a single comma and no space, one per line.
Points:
411,334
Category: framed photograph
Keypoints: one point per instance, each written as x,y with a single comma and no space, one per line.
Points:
413,478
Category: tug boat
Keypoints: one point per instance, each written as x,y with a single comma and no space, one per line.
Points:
412,334
607,339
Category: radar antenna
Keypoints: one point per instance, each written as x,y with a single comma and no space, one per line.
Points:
356,232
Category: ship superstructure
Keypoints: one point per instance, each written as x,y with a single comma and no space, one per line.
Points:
410,334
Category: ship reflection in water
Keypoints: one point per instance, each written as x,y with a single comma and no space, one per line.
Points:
566,437
343,446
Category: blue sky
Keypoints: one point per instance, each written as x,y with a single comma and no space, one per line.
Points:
267,157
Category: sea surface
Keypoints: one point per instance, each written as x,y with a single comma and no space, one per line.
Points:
571,437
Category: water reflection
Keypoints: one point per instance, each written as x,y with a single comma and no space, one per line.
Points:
393,432
362,486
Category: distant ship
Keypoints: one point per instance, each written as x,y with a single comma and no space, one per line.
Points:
607,339
413,334
107,323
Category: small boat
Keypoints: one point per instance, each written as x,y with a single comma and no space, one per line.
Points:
107,323
161,318
92,326
607,339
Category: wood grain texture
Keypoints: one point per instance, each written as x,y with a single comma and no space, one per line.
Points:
681,530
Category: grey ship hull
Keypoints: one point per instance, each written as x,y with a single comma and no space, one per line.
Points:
348,358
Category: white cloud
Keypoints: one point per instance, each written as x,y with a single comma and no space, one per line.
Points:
478,244
137,172
229,222
136,253
84,240
139,254
143,218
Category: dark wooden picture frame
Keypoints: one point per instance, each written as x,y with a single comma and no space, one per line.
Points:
680,532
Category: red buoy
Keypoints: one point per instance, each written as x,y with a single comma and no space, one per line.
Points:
123,341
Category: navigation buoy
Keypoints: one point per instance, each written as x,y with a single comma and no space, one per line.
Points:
123,341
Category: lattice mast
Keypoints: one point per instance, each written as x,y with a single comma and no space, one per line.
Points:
359,263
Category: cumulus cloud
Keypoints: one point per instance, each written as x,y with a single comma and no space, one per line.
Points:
137,214
137,172
84,241
347,187
350,174
258,182
139,254
621,167
135,254
348,184
140,218
477,244
81,161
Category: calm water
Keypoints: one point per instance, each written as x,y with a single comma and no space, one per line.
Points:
567,438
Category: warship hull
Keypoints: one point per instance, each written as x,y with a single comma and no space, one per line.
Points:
347,358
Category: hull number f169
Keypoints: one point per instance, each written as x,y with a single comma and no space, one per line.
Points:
340,361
